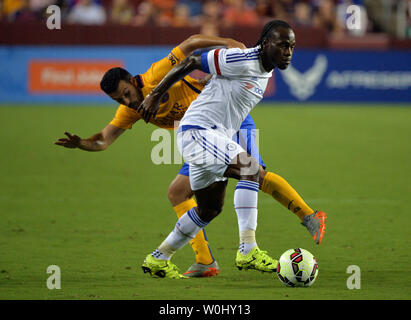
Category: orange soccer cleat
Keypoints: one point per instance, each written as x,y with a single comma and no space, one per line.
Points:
315,224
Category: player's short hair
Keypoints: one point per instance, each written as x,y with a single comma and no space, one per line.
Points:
269,28
112,77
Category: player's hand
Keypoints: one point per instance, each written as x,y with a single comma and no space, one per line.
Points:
235,44
149,107
72,141
205,80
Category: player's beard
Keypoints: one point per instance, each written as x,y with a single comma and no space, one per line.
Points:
283,66
133,105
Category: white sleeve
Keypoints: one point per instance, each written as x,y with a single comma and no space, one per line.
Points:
228,62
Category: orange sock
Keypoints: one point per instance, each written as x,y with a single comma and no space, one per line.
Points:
280,190
199,243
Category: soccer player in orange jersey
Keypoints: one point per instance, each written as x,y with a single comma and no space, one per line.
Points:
130,91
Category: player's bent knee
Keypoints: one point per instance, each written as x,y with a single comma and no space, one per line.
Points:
179,191
175,196
207,214
172,195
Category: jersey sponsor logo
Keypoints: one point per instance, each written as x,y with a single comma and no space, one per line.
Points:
259,91
175,114
172,59
303,84
251,87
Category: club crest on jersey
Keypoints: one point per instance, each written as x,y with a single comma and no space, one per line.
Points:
231,147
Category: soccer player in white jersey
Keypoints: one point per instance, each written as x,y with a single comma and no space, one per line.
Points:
205,141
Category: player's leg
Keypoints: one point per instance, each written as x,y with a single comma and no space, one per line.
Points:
210,200
277,187
181,197
271,183
203,175
246,169
284,193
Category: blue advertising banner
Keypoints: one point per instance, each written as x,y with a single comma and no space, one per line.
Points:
26,79
345,76
65,74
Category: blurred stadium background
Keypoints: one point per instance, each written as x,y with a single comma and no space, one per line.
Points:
332,63
336,124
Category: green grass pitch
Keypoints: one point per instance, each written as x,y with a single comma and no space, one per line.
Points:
96,215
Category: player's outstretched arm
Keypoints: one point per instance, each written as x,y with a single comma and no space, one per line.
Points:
98,142
149,106
200,41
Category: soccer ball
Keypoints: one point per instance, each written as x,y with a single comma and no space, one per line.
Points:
297,268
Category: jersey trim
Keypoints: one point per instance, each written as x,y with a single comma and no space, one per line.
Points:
204,62
243,56
191,86
217,65
210,63
189,127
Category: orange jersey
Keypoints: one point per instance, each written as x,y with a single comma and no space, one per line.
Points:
174,103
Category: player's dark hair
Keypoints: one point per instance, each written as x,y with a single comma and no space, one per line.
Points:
112,77
269,28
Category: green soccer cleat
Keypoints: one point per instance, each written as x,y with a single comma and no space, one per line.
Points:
256,259
161,268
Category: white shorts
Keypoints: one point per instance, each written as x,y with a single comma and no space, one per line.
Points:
208,154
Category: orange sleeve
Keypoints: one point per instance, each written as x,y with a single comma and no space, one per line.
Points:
159,69
125,117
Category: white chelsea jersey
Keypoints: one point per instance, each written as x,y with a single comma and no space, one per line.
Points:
237,86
